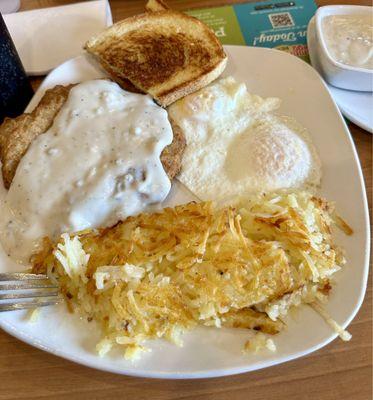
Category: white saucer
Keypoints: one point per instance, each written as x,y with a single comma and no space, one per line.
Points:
356,106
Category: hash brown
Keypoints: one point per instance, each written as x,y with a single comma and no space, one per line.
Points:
158,274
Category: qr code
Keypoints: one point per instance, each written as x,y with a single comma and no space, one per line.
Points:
281,20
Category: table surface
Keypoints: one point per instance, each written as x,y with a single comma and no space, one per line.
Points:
338,371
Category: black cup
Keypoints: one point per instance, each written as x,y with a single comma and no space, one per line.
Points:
15,88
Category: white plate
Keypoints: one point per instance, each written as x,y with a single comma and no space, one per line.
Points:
209,352
47,37
356,106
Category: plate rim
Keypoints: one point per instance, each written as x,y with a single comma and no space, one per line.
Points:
210,373
138,373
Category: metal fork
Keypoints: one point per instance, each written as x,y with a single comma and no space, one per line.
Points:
37,290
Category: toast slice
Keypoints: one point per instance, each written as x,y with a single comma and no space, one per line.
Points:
156,5
151,5
166,53
16,135
122,82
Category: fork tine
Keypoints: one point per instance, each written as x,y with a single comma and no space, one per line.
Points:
28,305
21,276
28,285
29,294
47,296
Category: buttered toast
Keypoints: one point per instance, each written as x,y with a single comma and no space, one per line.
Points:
166,53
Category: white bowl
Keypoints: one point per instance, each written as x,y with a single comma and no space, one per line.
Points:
334,72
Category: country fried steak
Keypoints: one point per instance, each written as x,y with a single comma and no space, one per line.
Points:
17,134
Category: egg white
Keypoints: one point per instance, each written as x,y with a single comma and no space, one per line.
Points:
237,145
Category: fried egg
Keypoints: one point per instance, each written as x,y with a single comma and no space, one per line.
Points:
236,144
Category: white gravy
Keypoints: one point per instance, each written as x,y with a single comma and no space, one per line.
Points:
97,164
349,39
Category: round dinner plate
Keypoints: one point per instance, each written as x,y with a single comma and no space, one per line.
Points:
356,106
211,352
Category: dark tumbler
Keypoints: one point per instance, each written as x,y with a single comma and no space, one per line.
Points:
15,88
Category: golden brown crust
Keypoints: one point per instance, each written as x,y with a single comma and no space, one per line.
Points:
156,5
153,58
171,156
18,133
167,54
168,97
122,82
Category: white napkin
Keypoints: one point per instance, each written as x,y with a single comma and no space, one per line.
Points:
47,37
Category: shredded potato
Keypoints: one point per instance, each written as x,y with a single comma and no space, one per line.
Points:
258,343
157,275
